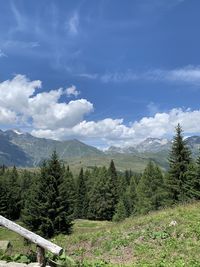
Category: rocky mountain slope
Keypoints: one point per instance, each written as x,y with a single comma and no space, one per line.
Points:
155,145
23,149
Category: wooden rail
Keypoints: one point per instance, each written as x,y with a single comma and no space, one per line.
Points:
41,242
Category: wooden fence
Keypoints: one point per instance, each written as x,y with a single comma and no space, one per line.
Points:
41,242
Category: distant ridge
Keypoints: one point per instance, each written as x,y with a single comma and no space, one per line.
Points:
24,150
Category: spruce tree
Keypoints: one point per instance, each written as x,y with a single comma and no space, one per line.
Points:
46,209
191,188
3,198
113,187
192,184
81,197
68,193
179,160
101,204
150,189
131,197
13,194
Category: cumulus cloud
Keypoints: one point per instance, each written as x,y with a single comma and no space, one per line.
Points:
47,115
115,132
20,103
72,91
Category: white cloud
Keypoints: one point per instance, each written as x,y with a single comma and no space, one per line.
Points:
72,91
48,116
114,132
73,24
188,74
20,103
14,94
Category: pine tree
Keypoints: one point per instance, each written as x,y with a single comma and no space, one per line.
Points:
150,189
3,198
113,186
101,204
46,209
26,180
191,187
179,160
131,197
192,183
13,194
81,197
68,193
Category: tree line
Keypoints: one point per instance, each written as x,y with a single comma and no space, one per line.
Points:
48,201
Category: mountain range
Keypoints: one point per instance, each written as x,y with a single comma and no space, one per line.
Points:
25,150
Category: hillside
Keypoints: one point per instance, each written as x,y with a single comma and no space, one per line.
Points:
138,241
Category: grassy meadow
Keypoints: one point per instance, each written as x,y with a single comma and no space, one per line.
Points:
138,241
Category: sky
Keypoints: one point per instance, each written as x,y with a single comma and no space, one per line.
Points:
106,72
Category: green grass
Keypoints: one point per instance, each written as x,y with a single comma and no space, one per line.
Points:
138,241
122,162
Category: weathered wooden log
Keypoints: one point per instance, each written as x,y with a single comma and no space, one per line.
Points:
38,240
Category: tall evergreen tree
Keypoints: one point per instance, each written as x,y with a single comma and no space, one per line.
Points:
150,189
131,197
3,198
179,160
113,186
192,184
46,211
68,193
13,194
101,204
191,188
81,197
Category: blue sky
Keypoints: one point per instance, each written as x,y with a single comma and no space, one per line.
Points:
108,72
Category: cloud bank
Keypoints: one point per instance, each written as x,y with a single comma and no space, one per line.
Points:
21,105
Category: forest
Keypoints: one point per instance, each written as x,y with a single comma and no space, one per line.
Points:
49,199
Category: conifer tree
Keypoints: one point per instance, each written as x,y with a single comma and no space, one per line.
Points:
113,186
81,197
179,160
13,194
150,189
192,184
46,210
3,198
101,204
191,187
131,197
68,193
